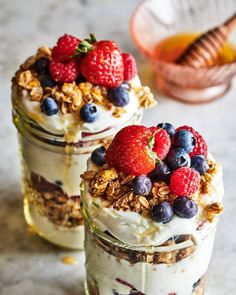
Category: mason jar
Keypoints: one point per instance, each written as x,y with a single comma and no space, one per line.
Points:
177,267
51,169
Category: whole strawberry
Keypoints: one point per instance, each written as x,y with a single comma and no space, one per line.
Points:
130,68
200,147
101,62
65,48
64,72
162,142
184,181
130,151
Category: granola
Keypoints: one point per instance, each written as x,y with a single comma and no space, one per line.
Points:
50,201
116,188
72,96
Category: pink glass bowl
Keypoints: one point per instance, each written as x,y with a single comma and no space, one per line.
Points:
154,20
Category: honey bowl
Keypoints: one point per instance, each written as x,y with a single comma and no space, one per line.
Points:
162,30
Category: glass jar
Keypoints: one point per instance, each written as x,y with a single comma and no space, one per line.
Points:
177,267
51,169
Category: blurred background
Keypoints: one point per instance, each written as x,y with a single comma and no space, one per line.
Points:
27,263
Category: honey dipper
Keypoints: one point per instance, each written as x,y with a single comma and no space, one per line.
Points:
205,49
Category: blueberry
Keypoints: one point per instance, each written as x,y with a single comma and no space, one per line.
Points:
46,81
162,212
89,113
184,139
178,158
126,85
185,207
142,185
41,65
199,163
119,96
49,106
98,156
170,129
161,172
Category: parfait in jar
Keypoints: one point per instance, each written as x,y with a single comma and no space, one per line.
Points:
68,101
151,212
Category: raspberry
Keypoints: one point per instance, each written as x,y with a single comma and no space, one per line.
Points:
62,73
200,147
130,68
184,181
162,142
65,48
129,151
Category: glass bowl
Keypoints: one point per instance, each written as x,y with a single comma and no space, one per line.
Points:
155,20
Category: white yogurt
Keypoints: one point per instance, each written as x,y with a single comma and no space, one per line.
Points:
135,229
151,279
61,124
72,238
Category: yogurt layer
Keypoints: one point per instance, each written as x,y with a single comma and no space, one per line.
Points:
151,279
63,124
72,238
134,229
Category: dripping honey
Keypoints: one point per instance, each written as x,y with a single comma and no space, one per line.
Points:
171,48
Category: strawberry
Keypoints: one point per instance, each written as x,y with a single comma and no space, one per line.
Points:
162,142
200,147
65,48
130,68
101,62
61,72
130,151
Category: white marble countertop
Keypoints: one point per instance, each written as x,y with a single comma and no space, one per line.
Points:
28,265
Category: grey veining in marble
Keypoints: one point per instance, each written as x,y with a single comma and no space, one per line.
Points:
28,265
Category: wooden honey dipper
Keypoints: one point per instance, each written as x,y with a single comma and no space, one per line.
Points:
205,49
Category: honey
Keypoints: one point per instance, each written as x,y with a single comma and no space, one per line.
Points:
169,49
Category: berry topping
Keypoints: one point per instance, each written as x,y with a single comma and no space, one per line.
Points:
199,163
162,212
170,129
130,151
184,181
200,147
130,68
161,172
65,48
89,113
141,185
184,139
49,106
46,80
178,158
184,207
102,63
98,156
162,142
119,96
41,65
64,72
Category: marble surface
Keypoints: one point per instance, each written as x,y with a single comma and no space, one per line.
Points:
27,263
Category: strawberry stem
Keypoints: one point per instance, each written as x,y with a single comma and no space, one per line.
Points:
85,46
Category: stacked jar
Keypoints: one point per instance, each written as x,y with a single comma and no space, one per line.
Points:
60,122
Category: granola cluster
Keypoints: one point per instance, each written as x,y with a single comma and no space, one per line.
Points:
152,257
71,97
116,191
50,201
